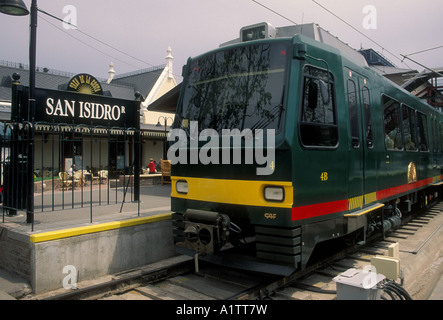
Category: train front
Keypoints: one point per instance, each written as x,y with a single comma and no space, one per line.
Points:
231,160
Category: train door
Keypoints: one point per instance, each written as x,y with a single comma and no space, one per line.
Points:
362,158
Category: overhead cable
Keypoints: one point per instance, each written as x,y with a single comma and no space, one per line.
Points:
421,65
88,45
426,50
279,14
95,39
358,31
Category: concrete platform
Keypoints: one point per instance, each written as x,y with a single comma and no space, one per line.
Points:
65,246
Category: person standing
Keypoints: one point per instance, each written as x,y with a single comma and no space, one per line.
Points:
151,166
71,170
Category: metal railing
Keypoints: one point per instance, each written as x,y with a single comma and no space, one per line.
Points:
104,159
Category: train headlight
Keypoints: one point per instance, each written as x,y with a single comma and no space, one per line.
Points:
182,187
274,194
257,31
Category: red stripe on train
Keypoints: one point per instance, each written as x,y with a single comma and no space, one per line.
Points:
320,209
383,194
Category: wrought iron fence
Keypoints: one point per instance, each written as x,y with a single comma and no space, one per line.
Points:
104,159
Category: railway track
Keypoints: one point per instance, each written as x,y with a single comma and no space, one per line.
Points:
412,237
176,279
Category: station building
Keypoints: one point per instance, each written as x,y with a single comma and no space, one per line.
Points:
152,83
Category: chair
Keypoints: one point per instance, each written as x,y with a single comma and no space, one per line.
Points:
166,171
79,178
86,175
66,179
103,175
93,178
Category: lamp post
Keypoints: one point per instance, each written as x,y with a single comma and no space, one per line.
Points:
166,124
18,8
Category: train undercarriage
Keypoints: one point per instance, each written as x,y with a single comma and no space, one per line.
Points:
219,238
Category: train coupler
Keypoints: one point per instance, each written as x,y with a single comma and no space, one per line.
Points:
205,232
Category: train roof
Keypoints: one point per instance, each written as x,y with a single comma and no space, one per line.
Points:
264,30
311,30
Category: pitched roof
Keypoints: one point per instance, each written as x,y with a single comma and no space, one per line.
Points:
143,80
123,87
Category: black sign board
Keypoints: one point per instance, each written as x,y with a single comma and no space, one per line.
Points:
88,109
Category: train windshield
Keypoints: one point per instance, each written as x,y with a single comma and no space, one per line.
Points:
237,88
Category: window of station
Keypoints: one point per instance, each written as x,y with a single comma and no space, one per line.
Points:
409,128
318,121
392,124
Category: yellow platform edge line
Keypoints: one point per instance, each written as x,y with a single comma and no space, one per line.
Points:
65,233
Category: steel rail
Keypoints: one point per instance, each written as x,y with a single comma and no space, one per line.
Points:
125,283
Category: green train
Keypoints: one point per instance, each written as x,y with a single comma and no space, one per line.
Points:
285,140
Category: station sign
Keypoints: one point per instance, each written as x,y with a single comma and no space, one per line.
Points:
82,103
87,109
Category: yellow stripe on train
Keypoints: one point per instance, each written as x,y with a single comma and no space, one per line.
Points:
242,192
357,202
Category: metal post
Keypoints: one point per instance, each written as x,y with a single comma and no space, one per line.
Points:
137,154
90,187
31,110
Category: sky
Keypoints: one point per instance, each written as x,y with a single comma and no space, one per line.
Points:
137,33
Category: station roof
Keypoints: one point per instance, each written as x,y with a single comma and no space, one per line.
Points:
122,87
425,85
168,102
423,78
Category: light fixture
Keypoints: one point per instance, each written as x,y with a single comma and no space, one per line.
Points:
13,7
274,194
182,187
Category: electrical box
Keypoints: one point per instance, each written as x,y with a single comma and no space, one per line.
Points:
394,251
390,267
355,284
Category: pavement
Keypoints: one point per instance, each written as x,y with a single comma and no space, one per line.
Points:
72,208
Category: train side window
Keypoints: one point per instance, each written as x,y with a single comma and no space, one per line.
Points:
436,141
392,124
368,117
318,121
353,114
422,127
433,134
409,128
441,135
